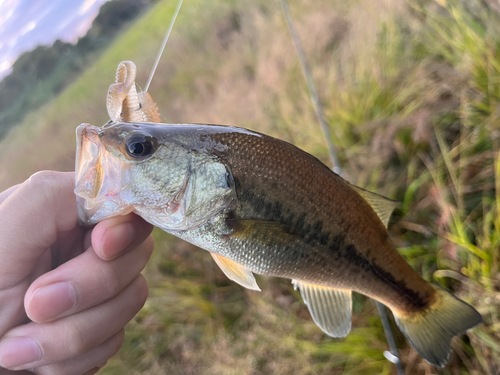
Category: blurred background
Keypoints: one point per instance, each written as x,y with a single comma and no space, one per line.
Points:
411,92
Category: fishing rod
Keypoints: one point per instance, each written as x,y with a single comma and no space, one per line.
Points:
393,354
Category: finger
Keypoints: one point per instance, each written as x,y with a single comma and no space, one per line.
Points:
12,311
35,345
84,282
9,372
30,220
113,236
7,193
92,360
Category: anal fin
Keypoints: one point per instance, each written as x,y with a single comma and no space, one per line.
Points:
236,272
330,308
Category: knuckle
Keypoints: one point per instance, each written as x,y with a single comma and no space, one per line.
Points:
46,183
112,284
148,246
43,178
46,188
77,341
109,279
142,291
115,343
51,183
41,186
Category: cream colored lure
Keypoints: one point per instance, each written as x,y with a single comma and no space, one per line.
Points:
260,205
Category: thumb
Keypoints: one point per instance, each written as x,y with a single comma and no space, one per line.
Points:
30,219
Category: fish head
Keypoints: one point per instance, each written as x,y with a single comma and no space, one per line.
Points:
153,170
111,162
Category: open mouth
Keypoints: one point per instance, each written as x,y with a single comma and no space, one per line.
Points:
98,178
89,171
88,167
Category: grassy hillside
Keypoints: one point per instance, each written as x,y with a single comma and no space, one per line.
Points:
411,91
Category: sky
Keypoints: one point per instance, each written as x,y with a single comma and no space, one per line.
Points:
25,24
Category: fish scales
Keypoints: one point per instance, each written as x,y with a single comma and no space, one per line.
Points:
336,238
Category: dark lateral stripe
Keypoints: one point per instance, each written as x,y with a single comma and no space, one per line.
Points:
350,254
314,235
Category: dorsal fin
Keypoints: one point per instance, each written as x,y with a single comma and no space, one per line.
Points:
382,206
236,272
330,308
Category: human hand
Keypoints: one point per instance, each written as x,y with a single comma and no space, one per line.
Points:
66,292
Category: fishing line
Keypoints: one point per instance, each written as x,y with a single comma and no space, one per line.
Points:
311,86
162,48
393,355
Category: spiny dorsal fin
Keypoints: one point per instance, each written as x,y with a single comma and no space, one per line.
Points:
236,272
382,206
330,308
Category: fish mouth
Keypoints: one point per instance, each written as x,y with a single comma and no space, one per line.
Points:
98,179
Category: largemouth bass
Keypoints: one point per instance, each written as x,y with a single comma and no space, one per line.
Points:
261,205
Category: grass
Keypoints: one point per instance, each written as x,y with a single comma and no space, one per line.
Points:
411,91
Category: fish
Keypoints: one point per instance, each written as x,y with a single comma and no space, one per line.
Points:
262,206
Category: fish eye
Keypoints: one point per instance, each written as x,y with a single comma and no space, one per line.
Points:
139,145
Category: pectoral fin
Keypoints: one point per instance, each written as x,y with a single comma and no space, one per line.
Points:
330,308
236,272
263,231
382,206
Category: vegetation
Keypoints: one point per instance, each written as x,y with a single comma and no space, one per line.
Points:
411,91
41,74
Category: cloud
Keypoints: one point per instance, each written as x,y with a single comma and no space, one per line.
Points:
25,24
86,6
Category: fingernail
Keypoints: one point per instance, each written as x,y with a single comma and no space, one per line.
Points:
51,301
18,351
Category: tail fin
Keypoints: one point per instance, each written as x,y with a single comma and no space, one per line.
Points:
430,332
